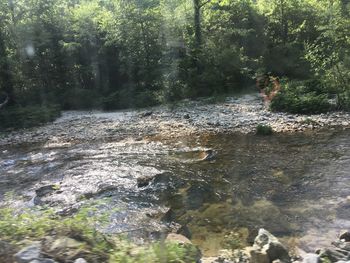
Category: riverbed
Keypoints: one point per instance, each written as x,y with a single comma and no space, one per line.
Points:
215,185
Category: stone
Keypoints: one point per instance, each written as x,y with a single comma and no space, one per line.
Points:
29,253
80,260
268,243
6,252
144,181
65,249
311,258
257,256
345,235
45,190
341,244
187,116
44,260
191,250
65,243
177,238
332,254
146,114
208,155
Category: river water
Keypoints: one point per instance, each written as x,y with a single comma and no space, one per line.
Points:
296,186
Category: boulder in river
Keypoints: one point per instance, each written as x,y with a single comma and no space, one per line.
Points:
345,236
266,249
268,243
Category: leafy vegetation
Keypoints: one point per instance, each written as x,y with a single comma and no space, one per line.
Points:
262,129
36,225
303,97
29,116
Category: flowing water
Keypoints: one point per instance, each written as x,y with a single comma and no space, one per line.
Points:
295,186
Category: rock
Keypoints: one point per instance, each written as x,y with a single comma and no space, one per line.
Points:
266,242
257,256
191,250
345,236
45,190
208,155
144,181
64,243
29,253
341,244
311,258
332,254
6,252
44,260
177,238
187,116
80,260
146,114
65,248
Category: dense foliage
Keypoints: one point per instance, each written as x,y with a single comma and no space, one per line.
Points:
115,54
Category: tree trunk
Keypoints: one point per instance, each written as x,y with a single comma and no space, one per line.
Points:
197,23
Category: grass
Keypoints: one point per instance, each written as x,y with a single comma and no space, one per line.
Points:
35,225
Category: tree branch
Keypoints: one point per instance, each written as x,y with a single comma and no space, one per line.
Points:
204,3
5,102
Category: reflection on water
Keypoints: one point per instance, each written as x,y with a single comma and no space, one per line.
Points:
292,185
296,186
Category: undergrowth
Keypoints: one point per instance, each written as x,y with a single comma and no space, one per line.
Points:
35,225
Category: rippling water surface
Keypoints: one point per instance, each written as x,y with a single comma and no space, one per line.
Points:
296,186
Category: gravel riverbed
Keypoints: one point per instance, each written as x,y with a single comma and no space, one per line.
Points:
236,114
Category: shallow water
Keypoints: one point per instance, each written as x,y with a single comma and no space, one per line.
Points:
296,186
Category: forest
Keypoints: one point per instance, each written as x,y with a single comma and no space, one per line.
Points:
116,54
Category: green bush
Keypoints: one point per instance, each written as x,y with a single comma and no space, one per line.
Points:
302,97
29,116
262,129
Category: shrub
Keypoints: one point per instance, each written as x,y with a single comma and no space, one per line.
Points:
262,129
302,97
29,116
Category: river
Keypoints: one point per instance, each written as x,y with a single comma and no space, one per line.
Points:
294,185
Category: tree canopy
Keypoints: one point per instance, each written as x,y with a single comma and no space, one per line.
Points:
116,54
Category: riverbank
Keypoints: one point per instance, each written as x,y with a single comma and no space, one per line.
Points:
191,118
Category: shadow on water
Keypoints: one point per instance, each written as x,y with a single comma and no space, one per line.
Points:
221,189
